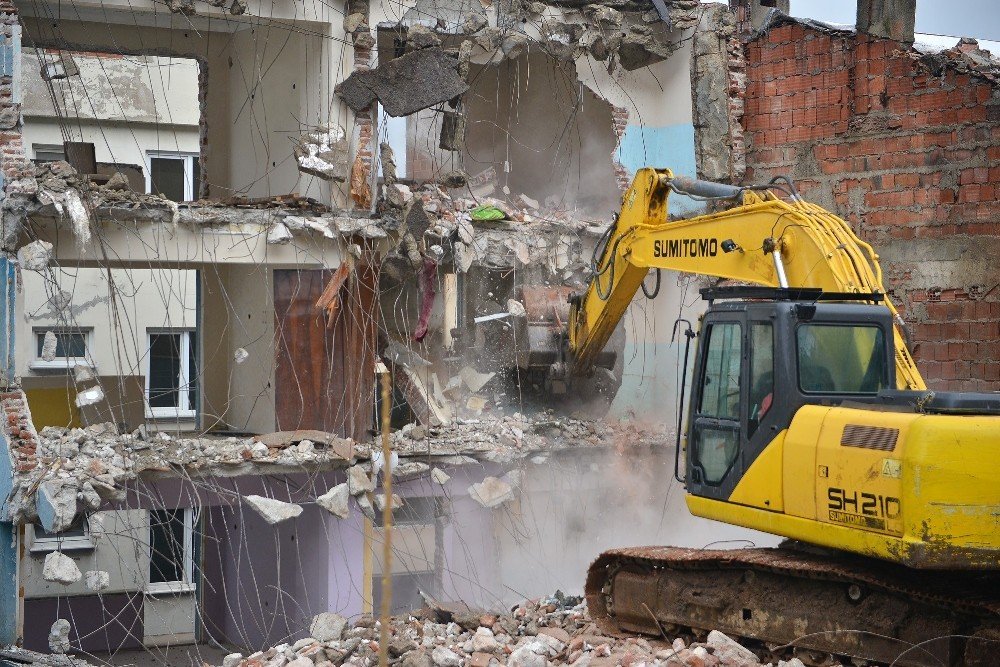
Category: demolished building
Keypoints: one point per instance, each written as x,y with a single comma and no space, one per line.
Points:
423,185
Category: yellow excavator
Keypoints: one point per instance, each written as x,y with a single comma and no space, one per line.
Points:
807,419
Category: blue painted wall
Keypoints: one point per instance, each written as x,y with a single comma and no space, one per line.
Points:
8,547
669,146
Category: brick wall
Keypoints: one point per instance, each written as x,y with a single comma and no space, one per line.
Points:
908,153
11,149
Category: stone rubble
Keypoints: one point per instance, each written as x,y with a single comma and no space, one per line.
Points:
61,569
271,510
537,633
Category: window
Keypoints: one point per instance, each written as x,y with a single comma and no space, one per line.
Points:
176,176
415,542
717,432
761,374
76,537
171,551
48,153
837,359
171,377
72,348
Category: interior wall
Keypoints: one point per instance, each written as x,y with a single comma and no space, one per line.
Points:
556,136
238,312
266,83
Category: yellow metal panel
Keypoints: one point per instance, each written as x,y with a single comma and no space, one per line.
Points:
860,483
53,406
761,484
799,464
951,494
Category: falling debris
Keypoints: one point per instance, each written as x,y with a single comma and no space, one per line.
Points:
59,636
515,308
473,379
335,501
405,85
89,396
56,504
273,511
323,153
358,481
440,476
50,345
240,355
97,580
61,569
380,501
35,256
491,492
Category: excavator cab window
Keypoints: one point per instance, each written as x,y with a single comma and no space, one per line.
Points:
717,423
761,374
841,359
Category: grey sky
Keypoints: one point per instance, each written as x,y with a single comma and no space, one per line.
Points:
962,18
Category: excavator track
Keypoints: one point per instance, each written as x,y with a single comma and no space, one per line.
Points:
833,604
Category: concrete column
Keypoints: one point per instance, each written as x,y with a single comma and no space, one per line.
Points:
889,19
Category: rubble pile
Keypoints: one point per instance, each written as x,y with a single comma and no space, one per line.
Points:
87,466
538,633
514,436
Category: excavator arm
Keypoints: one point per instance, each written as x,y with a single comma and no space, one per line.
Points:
763,240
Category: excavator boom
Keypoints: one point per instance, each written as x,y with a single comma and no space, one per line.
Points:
764,241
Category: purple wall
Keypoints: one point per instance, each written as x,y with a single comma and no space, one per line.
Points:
106,623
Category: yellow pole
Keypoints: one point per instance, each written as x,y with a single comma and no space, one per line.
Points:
383,644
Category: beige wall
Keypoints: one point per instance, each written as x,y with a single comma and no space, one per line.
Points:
144,299
121,539
239,312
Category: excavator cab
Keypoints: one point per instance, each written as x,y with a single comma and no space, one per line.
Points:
763,354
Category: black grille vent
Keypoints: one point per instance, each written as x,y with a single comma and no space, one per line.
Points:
870,437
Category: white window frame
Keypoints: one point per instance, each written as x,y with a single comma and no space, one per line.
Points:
183,380
58,542
62,363
48,148
188,158
174,587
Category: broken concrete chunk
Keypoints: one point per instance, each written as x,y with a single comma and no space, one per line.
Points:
354,22
729,650
380,501
323,153
335,501
561,40
483,641
419,36
279,234
514,45
89,396
404,85
358,481
56,504
97,580
411,469
454,179
232,660
491,492
365,505
473,379
642,50
516,308
60,569
240,355
388,159
91,499
35,256
271,510
440,476
527,655
398,195
59,636
328,627
445,657
452,131
50,345
473,23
